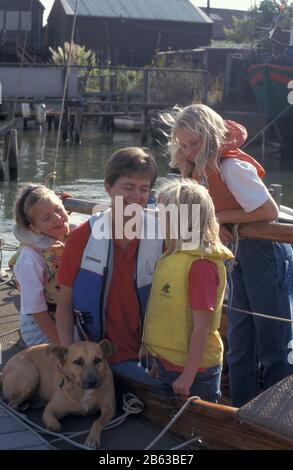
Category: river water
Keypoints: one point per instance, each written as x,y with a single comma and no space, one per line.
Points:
80,168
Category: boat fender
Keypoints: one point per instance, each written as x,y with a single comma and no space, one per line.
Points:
41,113
25,110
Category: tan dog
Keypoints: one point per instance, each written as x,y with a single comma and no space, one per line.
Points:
77,380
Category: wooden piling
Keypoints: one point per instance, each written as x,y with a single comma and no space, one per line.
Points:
145,111
77,125
1,172
66,124
276,192
11,154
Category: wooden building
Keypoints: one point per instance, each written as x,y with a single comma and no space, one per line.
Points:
18,17
223,18
129,31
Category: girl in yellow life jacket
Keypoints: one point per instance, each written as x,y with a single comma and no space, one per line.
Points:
41,226
184,311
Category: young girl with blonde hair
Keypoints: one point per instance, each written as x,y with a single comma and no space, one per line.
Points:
184,311
42,227
205,147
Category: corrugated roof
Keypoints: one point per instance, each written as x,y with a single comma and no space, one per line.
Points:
168,10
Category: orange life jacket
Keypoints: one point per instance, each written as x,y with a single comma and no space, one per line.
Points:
222,198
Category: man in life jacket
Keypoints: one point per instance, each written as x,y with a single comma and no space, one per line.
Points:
108,264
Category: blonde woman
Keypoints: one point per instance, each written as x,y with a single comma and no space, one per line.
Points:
206,147
184,311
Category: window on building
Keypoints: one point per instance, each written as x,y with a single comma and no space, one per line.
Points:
25,21
1,20
12,21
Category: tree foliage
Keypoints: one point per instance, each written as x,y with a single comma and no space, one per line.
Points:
79,55
260,20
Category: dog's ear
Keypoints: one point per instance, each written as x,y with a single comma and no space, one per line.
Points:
107,348
59,351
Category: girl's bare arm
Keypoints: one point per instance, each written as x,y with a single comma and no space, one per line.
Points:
198,339
64,316
47,325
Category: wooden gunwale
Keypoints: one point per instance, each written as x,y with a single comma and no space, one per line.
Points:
277,232
218,425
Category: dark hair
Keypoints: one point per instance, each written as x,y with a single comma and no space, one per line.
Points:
130,161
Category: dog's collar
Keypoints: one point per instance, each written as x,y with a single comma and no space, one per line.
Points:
60,367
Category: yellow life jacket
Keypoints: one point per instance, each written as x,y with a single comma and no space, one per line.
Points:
52,256
168,324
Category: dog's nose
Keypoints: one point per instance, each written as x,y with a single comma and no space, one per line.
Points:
90,382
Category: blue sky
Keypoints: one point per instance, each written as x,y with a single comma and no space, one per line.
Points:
241,4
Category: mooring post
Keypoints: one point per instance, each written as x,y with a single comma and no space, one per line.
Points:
1,172
66,123
11,154
276,192
77,125
145,111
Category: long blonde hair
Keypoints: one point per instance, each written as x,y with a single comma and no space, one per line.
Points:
202,121
29,196
190,193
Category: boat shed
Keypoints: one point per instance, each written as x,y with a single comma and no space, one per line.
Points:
129,31
18,18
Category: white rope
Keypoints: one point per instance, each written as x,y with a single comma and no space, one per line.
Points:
7,246
131,405
268,317
52,176
230,266
173,420
186,443
267,126
2,283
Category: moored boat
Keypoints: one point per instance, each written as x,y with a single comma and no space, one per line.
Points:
270,86
127,123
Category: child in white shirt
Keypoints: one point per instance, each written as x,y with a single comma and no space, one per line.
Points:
42,227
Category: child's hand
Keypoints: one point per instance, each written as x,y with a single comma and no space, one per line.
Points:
181,386
57,248
225,235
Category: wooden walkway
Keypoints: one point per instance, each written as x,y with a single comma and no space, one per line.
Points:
16,435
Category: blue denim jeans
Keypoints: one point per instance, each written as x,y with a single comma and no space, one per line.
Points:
31,332
206,384
131,370
262,282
